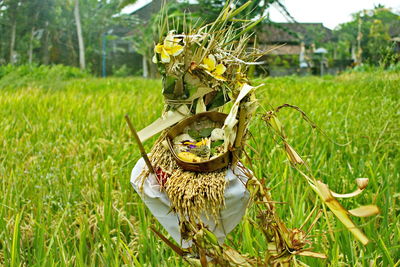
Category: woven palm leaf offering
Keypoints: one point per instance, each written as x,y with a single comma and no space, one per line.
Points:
193,181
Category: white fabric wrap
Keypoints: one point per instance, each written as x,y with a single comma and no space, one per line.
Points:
236,200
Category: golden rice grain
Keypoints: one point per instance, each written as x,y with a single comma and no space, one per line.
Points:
191,194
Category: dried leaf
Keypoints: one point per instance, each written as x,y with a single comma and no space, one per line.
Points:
203,258
167,120
200,107
361,184
231,119
311,254
235,257
275,123
293,155
340,212
272,247
365,211
193,261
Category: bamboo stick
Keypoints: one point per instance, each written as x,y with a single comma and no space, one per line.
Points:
239,135
141,148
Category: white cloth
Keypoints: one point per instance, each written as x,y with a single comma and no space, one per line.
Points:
236,200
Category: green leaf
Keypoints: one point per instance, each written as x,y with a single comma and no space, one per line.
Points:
194,134
169,86
203,133
217,143
206,132
248,28
239,10
218,101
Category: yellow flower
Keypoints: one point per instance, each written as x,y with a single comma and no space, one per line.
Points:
241,78
211,67
170,47
189,157
203,142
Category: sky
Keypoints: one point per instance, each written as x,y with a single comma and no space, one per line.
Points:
330,12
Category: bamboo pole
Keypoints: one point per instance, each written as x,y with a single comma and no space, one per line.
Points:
239,135
141,148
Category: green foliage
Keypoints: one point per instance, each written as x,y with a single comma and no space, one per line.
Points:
124,3
48,29
66,157
285,61
17,76
376,28
209,9
123,71
394,68
377,70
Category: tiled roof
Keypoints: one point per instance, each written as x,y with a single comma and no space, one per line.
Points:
293,32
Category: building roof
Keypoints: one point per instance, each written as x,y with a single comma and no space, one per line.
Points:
132,8
281,49
143,9
294,33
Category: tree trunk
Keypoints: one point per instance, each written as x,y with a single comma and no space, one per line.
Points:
359,37
82,62
30,51
153,73
45,47
12,41
145,67
32,38
72,56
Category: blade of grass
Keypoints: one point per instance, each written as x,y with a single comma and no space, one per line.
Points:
15,241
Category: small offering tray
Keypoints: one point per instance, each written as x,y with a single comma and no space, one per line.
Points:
213,164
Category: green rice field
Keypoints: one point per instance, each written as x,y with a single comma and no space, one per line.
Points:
66,155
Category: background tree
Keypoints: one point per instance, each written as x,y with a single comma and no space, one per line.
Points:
374,29
77,15
11,15
209,9
46,31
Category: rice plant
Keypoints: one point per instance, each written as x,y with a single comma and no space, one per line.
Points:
66,156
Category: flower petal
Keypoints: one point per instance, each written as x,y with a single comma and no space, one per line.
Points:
210,62
169,41
215,76
158,48
218,77
176,50
154,59
165,58
188,157
209,73
220,69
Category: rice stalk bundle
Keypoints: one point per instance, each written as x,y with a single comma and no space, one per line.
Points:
191,194
194,194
